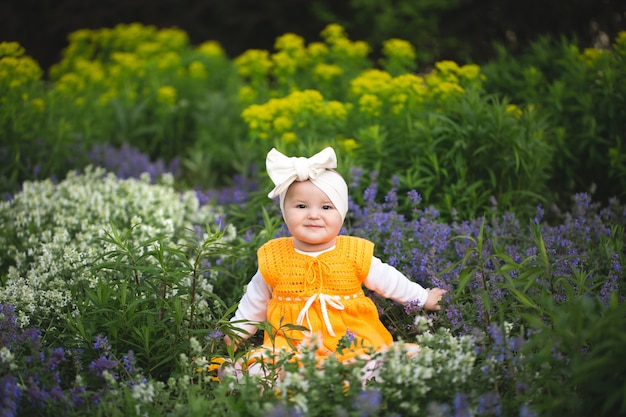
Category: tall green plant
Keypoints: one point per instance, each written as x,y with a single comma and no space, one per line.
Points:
583,95
476,150
155,297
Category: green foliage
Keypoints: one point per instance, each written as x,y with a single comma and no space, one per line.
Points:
583,96
131,84
576,351
520,136
155,297
477,150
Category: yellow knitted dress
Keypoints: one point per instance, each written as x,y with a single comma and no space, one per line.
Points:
322,293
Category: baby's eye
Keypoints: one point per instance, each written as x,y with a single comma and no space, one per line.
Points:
327,207
301,206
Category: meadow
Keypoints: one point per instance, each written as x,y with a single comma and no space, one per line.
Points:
134,197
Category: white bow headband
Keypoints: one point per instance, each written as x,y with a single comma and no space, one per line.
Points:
285,170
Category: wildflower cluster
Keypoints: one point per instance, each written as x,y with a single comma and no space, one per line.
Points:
53,234
301,111
40,379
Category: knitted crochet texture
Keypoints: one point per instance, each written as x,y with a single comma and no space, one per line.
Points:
339,272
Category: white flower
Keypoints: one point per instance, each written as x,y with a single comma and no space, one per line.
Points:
60,226
143,392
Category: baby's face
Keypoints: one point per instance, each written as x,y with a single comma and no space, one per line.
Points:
312,219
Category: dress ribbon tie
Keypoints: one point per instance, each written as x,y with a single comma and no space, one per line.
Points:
325,300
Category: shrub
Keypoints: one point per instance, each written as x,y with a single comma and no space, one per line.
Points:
53,234
583,95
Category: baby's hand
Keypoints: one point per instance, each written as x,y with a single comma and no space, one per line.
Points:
434,296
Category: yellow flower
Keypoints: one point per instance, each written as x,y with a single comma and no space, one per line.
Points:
300,109
410,84
469,72
289,137
90,70
38,104
398,103
514,110
70,84
399,49
346,49
127,60
168,60
289,42
590,56
448,89
282,124
81,36
370,105
247,94
336,110
253,63
148,49
13,49
166,94
348,145
211,49
446,67
284,64
197,70
258,117
372,81
172,39
15,71
326,72
432,79
332,33
317,51
307,100
620,44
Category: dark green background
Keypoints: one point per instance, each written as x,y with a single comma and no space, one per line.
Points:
461,30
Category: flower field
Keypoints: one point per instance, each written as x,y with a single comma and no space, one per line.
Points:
134,198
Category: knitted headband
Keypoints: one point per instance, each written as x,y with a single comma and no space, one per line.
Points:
318,169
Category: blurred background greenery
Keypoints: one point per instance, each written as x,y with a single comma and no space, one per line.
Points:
476,105
439,29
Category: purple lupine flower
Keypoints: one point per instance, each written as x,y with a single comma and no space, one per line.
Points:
10,394
539,215
489,404
214,335
129,361
57,355
103,363
77,395
368,403
56,393
415,198
461,405
350,336
526,411
129,162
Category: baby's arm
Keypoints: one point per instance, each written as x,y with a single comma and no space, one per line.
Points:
391,283
252,307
